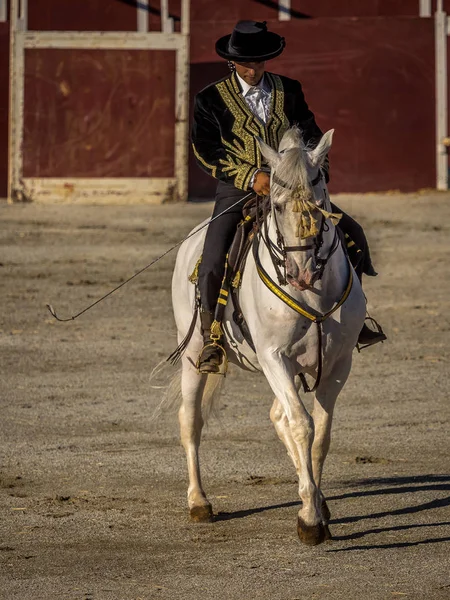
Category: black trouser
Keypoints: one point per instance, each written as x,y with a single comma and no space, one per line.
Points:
220,234
218,240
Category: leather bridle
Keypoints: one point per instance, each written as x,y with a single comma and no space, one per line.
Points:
278,251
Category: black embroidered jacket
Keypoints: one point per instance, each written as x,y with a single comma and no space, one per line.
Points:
224,129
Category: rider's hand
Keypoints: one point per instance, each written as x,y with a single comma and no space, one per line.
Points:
261,184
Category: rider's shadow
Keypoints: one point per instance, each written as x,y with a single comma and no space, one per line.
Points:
396,485
389,486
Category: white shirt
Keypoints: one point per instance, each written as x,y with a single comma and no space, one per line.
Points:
258,97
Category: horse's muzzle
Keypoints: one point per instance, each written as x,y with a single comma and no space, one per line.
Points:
301,278
302,283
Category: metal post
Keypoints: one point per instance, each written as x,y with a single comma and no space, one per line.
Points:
142,16
22,20
424,8
3,11
166,21
440,31
185,17
18,26
182,107
284,10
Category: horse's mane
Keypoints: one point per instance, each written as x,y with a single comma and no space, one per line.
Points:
292,167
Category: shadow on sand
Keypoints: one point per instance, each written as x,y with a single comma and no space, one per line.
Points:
389,486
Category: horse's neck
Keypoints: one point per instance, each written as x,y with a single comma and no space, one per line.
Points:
335,275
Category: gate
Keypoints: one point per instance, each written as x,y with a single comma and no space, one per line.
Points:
98,114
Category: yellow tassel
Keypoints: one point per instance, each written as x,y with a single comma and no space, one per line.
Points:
313,229
237,280
216,331
305,224
193,277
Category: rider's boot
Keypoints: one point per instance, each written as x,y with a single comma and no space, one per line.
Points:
211,356
368,337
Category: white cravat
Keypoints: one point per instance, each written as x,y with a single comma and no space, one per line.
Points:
257,97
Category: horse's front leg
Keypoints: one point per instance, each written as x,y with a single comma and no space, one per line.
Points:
191,425
281,424
281,377
324,402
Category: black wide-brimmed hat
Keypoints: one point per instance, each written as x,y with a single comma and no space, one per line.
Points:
250,42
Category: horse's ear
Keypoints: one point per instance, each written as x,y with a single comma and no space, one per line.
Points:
317,156
271,155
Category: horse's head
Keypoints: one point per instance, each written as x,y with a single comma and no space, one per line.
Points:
298,201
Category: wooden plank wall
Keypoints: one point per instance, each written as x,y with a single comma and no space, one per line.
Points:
367,69
96,15
371,79
99,113
79,15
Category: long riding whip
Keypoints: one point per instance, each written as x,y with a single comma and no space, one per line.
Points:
53,312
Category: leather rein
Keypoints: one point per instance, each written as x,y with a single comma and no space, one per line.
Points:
278,254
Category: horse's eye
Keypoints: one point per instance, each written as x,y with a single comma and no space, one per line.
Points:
278,208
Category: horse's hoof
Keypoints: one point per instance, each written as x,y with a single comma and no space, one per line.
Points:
201,514
326,515
311,535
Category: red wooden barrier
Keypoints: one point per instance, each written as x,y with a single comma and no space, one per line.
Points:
99,113
370,79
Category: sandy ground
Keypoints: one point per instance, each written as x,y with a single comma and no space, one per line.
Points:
92,490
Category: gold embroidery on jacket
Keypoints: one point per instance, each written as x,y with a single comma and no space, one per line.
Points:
212,168
278,122
243,155
236,164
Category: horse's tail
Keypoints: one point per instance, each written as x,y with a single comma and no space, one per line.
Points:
170,386
168,381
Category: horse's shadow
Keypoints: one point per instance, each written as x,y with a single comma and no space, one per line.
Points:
381,486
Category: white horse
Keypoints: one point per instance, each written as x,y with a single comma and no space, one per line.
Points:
289,340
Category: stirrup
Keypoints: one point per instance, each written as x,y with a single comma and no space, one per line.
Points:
214,343
204,367
377,336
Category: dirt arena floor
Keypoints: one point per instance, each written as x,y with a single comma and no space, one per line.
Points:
93,492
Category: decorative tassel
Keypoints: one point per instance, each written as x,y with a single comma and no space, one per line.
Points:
193,277
297,205
216,331
307,224
237,280
313,228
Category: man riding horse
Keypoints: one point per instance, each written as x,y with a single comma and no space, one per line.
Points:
229,115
